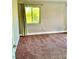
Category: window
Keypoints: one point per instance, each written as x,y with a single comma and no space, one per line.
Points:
32,15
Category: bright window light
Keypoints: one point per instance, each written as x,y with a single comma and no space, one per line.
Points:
32,15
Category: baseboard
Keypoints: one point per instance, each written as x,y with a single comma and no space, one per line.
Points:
45,33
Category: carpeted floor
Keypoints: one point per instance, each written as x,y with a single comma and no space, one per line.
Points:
48,46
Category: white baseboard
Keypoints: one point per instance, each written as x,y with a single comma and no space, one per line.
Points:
20,35
44,33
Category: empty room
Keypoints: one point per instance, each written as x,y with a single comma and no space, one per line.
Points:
39,29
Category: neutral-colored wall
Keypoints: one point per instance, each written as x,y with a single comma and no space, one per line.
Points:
21,18
53,18
15,27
